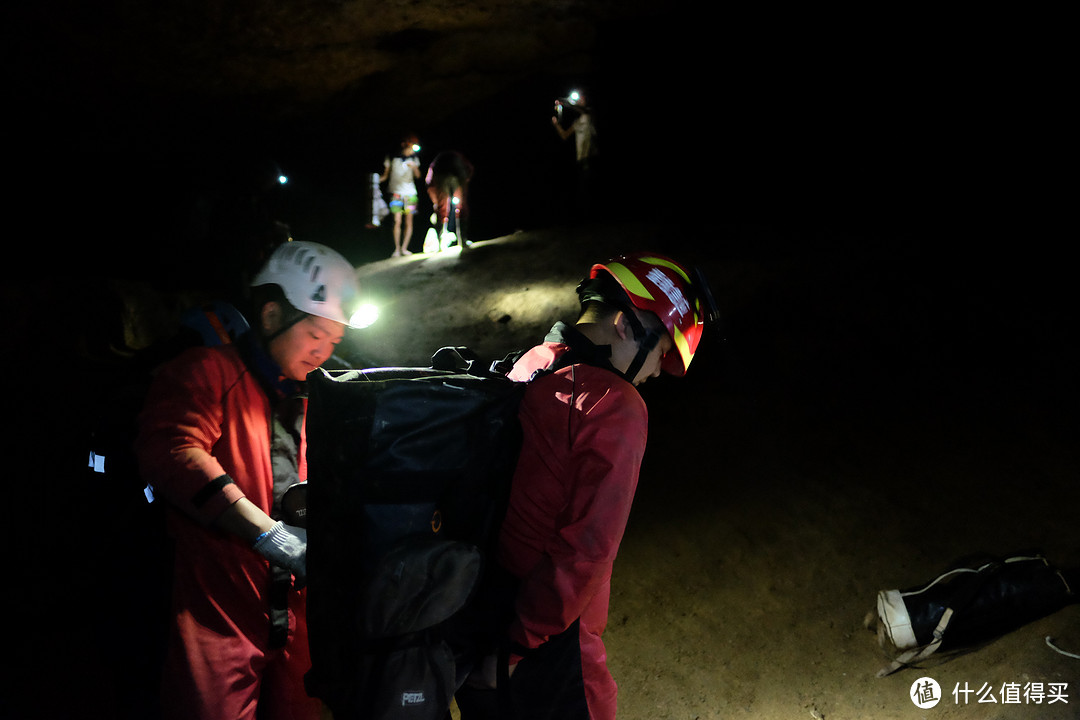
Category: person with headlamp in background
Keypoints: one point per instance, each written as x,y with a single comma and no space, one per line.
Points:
221,437
447,182
584,429
585,144
403,171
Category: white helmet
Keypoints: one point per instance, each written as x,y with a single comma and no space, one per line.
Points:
314,278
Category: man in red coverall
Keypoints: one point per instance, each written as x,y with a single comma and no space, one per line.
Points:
585,427
221,438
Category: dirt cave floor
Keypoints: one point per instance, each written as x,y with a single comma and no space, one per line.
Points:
856,430
869,412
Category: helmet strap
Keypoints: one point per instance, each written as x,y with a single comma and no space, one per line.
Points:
289,316
285,327
267,372
645,346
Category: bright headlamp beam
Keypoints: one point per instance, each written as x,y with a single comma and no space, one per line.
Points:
365,316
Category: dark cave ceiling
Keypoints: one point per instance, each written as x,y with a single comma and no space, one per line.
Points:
910,116
382,63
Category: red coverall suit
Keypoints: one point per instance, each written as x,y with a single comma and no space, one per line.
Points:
207,418
584,438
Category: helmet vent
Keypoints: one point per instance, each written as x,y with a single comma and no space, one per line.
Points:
316,279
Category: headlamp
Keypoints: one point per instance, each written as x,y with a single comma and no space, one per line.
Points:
365,316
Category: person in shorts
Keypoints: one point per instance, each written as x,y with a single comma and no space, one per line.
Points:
402,172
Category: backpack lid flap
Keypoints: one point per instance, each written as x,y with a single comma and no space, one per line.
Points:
420,582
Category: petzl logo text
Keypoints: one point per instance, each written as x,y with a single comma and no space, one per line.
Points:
412,698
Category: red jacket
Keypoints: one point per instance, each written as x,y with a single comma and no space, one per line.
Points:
584,437
207,417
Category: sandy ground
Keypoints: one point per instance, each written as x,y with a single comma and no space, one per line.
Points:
848,436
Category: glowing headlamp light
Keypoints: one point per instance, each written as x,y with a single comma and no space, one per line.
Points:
365,316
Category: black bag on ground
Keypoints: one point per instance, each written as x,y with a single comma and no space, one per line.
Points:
408,474
969,605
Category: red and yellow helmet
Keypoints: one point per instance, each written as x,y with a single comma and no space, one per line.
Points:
660,285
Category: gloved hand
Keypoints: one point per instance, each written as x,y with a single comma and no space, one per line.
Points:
285,545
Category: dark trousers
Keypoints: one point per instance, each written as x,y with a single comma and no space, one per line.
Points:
547,685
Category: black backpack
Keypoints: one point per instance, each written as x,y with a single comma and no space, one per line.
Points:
976,601
409,471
